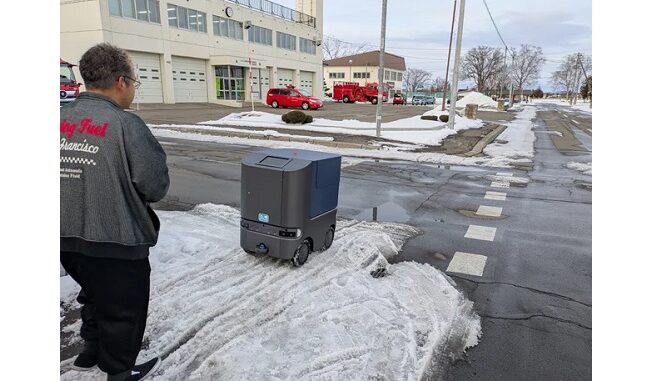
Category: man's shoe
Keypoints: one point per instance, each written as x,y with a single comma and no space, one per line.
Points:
87,359
139,372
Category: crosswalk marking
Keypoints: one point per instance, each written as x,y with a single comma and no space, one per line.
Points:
498,196
467,263
500,184
507,174
483,233
490,211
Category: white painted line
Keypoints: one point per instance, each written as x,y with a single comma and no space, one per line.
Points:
499,196
481,232
490,211
571,119
500,184
507,174
466,263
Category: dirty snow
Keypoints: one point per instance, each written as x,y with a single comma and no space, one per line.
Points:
585,168
217,313
473,97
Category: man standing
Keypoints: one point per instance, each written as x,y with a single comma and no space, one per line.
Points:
112,167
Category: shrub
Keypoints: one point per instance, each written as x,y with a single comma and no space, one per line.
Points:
429,117
444,118
297,117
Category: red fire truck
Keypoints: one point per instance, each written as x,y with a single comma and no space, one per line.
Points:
350,92
69,87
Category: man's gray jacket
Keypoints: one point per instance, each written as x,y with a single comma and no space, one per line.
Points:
112,167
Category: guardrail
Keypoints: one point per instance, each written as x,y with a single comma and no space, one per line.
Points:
278,10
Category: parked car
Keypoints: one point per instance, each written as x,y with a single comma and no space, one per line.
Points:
417,100
398,99
292,97
429,100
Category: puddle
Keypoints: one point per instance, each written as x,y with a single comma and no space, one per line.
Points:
387,212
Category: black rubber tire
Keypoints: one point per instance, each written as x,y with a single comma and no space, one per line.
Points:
250,252
275,104
329,238
346,99
305,106
301,254
373,101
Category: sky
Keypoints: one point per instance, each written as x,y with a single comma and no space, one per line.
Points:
419,30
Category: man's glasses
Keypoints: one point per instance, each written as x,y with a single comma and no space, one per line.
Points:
136,83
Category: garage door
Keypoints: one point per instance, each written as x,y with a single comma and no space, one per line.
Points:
285,77
190,80
307,81
147,68
260,81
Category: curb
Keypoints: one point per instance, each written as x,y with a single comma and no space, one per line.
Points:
230,134
487,139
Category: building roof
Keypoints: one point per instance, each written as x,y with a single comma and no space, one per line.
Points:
391,61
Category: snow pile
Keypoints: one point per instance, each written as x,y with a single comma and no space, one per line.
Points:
585,168
516,143
217,313
411,130
473,97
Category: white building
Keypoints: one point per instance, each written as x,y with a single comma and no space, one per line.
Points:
364,68
201,50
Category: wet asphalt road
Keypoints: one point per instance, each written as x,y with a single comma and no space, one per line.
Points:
534,295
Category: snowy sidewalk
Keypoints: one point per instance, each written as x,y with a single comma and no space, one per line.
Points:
217,313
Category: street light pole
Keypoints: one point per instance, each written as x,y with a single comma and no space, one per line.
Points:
454,84
451,38
380,90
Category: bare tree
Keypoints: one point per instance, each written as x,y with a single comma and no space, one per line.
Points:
335,48
567,77
526,65
483,65
438,84
416,79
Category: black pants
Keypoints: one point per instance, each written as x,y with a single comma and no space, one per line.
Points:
115,298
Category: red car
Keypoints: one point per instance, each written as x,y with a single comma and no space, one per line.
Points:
398,99
291,97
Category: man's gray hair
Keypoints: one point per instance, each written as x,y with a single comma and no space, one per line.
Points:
103,64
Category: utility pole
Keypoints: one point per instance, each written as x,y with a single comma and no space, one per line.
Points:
577,79
512,101
454,84
380,90
588,82
451,38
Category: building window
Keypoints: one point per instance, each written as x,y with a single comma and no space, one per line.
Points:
337,75
361,75
185,18
230,82
285,41
307,46
393,75
260,35
227,28
386,75
143,10
399,76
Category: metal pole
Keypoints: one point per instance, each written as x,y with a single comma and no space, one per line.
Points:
454,82
380,90
575,85
512,101
451,38
250,80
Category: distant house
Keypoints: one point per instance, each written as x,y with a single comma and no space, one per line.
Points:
364,68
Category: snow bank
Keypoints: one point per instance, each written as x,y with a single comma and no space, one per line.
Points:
217,313
516,143
483,101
